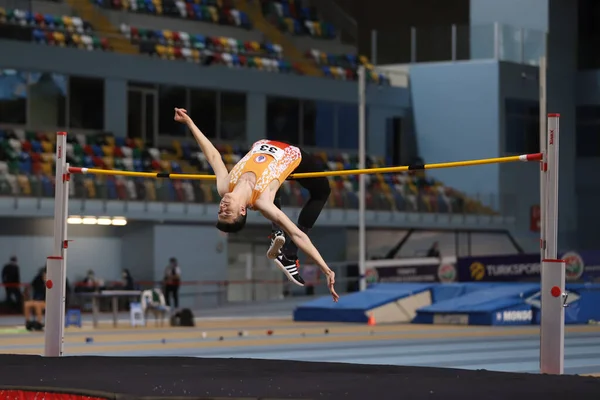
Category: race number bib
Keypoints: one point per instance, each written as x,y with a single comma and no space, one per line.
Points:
269,149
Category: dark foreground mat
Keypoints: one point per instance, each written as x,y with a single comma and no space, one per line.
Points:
173,377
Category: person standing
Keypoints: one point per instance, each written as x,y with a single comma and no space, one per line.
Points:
172,282
11,278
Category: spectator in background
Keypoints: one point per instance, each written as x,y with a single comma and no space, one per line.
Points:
434,250
128,283
90,283
11,278
37,302
172,282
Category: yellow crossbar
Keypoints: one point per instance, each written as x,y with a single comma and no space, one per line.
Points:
369,171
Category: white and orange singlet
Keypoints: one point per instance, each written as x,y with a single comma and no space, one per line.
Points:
268,160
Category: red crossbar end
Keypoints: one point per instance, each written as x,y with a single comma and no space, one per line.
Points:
534,157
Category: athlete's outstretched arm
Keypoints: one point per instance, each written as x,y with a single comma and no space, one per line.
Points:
210,152
271,212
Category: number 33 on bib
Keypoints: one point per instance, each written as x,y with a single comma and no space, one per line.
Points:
268,148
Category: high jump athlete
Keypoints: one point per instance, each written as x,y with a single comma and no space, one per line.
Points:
254,183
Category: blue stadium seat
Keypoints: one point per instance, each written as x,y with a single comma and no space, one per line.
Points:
111,188
87,162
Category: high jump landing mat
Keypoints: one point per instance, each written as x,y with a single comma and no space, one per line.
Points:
80,376
123,378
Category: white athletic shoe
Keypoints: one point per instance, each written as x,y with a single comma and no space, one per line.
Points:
277,242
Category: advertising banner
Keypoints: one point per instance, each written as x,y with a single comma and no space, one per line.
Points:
511,268
416,270
580,266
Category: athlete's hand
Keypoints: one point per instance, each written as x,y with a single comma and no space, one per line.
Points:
181,116
330,284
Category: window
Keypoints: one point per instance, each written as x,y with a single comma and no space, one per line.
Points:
522,126
347,126
170,97
233,116
203,109
283,119
588,131
86,103
47,100
318,119
13,97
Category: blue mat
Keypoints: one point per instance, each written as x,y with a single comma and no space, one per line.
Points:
353,307
496,296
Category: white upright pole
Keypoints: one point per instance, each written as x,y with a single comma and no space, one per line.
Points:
552,327
544,162
362,193
55,264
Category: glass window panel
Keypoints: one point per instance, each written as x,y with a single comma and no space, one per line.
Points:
86,103
283,119
233,116
319,123
588,140
13,96
203,110
347,126
170,97
47,100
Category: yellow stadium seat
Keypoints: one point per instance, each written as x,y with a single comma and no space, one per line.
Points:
161,50
68,22
77,41
108,150
110,140
48,147
317,28
165,165
290,24
109,161
208,196
323,59
59,38
139,143
214,14
170,52
177,148
90,188
196,55
168,35
150,189
24,185
255,46
224,42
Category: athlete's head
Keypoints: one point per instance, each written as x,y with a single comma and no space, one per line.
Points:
232,213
